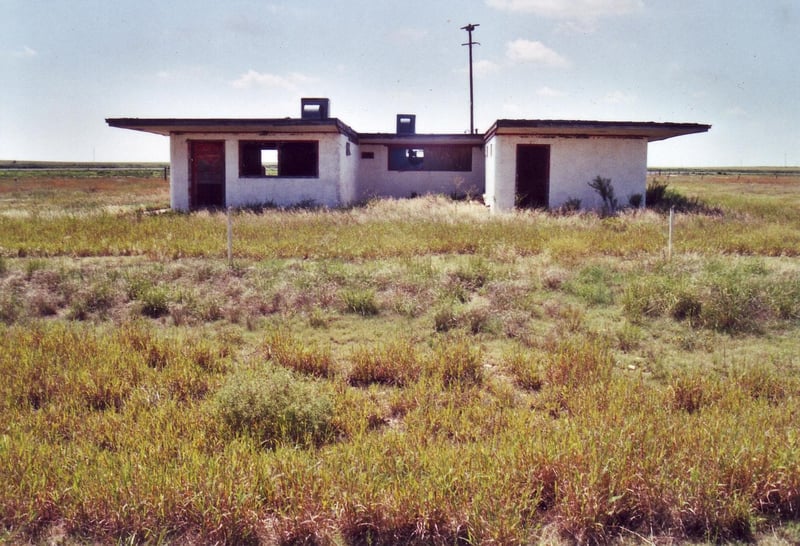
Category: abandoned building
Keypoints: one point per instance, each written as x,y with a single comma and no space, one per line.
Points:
318,159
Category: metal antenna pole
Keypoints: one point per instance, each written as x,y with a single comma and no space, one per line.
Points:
469,28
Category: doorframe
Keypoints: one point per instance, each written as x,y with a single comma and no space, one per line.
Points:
548,149
192,185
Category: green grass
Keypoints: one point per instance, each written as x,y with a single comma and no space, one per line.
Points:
404,372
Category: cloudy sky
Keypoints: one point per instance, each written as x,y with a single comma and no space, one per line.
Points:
67,65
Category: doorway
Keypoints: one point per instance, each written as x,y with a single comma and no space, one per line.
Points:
207,173
533,176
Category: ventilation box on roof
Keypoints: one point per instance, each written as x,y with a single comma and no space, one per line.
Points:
314,108
406,124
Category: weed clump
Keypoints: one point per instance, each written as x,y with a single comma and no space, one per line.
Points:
274,407
289,352
526,369
456,363
394,363
360,301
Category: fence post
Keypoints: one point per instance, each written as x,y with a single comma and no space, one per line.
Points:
230,238
669,242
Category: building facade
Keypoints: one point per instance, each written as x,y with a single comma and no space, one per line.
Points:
317,159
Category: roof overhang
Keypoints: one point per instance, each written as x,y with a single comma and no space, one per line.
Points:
256,126
652,131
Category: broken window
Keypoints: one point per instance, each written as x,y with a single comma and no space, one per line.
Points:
278,158
430,158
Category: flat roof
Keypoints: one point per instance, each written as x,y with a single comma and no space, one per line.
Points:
650,130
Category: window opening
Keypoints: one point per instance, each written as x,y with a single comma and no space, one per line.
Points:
269,161
415,156
431,158
293,159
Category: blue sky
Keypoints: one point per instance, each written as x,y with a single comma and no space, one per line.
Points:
67,65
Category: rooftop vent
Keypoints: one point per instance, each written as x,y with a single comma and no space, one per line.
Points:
406,124
314,108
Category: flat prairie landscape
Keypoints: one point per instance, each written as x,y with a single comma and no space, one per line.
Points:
402,371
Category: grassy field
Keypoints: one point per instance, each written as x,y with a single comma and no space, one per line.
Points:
409,371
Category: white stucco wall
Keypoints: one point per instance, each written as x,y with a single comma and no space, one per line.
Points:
323,190
179,173
376,180
574,162
348,171
490,171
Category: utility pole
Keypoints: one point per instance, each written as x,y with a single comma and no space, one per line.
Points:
469,28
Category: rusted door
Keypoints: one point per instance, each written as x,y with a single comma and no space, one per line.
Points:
533,176
207,168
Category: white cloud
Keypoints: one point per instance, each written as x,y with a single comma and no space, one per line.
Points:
484,68
480,68
252,78
618,97
25,53
526,51
549,92
569,9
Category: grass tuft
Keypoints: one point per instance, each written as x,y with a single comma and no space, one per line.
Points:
393,363
286,350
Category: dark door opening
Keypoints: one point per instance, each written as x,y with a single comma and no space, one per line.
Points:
533,176
207,172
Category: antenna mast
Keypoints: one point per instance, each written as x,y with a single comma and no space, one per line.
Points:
469,28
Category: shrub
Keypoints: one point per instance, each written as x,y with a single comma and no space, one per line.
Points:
635,200
605,190
655,192
3,266
570,206
155,301
658,196
274,407
360,301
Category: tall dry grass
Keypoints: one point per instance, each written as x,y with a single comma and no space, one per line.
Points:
523,378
